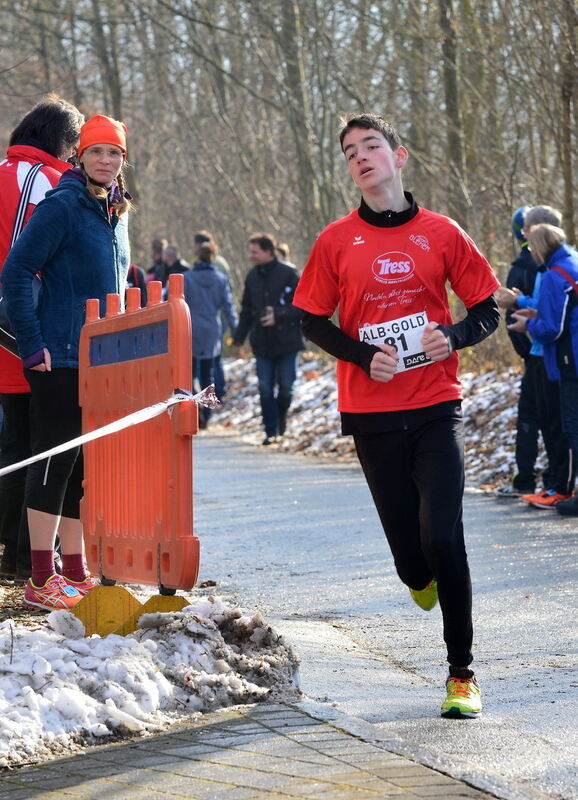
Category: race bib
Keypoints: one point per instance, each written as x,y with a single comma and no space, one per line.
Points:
405,335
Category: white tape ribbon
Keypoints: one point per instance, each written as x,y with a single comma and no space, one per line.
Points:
180,396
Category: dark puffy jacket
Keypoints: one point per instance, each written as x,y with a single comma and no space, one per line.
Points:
556,325
522,276
271,284
79,253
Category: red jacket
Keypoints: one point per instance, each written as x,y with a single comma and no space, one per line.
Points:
13,169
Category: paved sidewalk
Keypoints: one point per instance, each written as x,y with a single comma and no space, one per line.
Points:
271,752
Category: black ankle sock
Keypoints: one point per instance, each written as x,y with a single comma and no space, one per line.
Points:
461,672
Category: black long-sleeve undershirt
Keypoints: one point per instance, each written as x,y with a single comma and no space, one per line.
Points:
481,320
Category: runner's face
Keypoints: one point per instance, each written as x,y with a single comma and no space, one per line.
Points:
370,159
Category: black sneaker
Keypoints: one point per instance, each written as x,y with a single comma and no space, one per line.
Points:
568,508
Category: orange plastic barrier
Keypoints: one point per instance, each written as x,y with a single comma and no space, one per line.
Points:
137,509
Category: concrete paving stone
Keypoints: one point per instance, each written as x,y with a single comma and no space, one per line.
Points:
200,786
399,768
259,711
92,768
291,722
395,776
13,793
45,782
185,750
318,733
415,781
455,792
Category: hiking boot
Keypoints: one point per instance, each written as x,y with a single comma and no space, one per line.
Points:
85,586
548,499
568,508
426,598
55,594
463,698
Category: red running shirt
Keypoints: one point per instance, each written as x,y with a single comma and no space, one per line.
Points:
374,275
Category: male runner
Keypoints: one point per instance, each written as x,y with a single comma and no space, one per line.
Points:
386,265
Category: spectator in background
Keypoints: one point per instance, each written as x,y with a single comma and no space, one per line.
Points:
282,252
272,322
136,278
521,279
221,263
77,240
555,325
156,272
559,477
46,136
173,262
209,298
202,238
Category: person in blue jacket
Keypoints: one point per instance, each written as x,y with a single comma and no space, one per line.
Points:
539,405
208,293
77,241
555,324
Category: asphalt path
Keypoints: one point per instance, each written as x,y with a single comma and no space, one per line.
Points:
297,539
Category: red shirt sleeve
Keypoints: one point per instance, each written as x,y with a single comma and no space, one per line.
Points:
318,289
470,274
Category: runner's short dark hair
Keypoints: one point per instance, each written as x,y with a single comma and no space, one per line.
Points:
373,122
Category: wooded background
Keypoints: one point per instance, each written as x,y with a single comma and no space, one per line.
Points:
233,106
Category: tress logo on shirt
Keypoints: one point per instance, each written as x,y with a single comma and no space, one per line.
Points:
393,267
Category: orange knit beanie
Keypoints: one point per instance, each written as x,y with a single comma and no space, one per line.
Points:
102,130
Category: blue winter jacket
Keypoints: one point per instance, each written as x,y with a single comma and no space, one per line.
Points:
209,298
556,325
79,253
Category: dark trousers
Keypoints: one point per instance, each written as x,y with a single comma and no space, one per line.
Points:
54,485
203,371
569,411
561,472
219,377
14,447
416,478
527,429
275,371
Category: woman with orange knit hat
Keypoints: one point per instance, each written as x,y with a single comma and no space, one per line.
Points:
77,240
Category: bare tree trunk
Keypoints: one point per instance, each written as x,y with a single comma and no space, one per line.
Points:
457,199
297,109
568,89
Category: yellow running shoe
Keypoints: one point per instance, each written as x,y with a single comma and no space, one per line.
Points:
426,598
464,698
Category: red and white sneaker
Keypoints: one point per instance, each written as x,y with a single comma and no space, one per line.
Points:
548,499
85,586
55,594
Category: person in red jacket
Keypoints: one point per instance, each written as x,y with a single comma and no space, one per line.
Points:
386,266
47,135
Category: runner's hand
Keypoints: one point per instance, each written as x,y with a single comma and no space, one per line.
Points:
435,344
384,364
